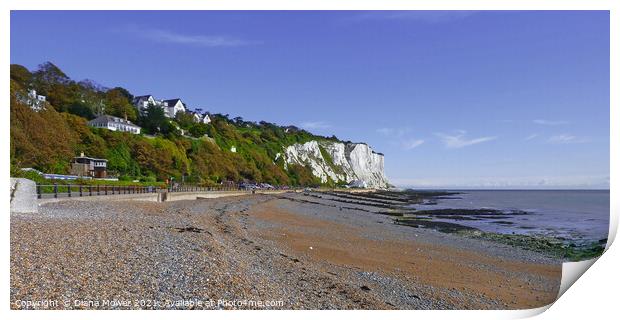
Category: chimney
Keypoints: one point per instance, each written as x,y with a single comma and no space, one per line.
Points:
125,116
82,154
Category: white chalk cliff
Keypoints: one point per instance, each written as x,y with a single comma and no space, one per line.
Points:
339,162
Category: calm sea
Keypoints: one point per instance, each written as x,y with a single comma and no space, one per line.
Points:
577,215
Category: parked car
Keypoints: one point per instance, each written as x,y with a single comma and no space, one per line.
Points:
266,186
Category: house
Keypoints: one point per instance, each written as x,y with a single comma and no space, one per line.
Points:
290,129
114,124
35,101
205,118
142,102
172,106
196,117
200,117
89,167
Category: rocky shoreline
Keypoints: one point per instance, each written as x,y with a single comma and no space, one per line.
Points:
289,251
398,203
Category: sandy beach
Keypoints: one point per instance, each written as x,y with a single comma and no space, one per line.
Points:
285,251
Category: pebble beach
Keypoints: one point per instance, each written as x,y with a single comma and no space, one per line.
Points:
279,251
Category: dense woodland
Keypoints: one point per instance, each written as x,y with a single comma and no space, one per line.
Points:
47,140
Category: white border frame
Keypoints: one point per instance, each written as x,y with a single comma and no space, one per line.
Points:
594,295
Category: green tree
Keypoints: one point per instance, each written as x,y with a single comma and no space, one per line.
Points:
47,75
154,121
52,82
123,92
81,109
118,104
42,140
21,76
184,119
198,130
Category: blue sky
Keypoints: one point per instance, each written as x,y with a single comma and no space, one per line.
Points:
454,99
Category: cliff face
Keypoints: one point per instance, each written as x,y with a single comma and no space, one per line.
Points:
367,165
340,162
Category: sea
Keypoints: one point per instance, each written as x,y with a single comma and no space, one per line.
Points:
573,215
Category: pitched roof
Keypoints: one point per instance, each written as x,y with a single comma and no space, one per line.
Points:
82,156
144,96
172,102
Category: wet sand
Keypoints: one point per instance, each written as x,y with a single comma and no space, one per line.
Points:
304,254
442,266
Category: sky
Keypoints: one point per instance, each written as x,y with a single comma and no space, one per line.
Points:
454,99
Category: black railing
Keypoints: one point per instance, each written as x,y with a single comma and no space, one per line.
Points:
79,190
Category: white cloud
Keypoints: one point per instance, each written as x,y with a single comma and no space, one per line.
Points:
411,144
398,137
551,122
565,139
394,132
460,140
315,125
531,136
166,36
385,131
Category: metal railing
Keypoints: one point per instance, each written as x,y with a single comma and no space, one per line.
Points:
79,190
